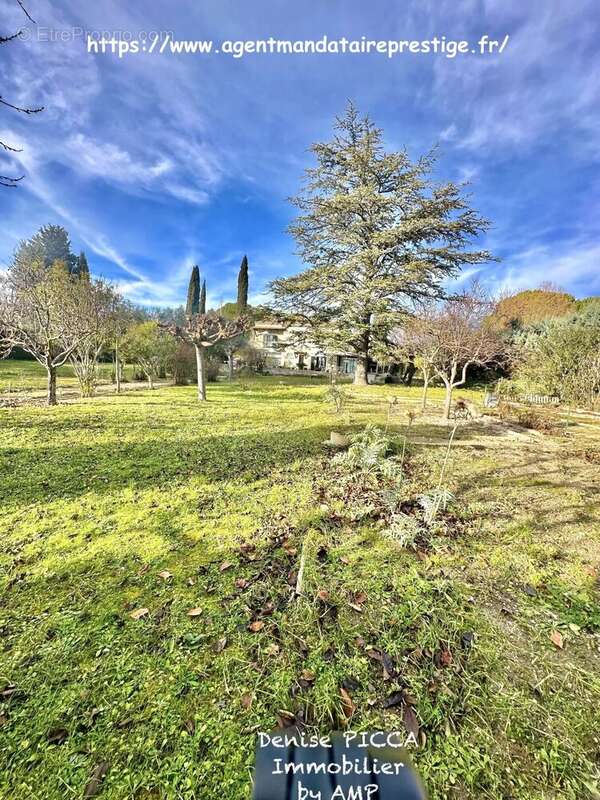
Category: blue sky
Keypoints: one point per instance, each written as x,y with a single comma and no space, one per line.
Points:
156,162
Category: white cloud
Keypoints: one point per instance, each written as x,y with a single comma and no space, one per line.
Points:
574,264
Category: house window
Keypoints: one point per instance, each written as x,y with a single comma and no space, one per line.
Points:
348,365
269,340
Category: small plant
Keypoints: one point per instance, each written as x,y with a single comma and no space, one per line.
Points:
368,454
336,396
535,421
434,502
392,403
404,529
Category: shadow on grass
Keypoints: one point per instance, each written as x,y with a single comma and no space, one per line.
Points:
29,475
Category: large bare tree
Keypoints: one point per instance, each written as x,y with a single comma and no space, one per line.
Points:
98,310
40,312
7,180
456,336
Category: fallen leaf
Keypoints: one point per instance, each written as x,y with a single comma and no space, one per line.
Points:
442,658
268,608
95,781
194,612
360,598
57,735
191,582
225,566
348,706
323,595
557,640
246,700
241,583
395,699
411,723
220,645
272,650
190,726
292,577
286,719
139,613
256,626
530,590
350,684
355,607
307,675
467,639
165,575
344,559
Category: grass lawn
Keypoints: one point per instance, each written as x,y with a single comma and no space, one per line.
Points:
25,376
100,497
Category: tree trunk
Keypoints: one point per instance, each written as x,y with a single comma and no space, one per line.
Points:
230,365
448,401
150,381
51,395
424,395
201,373
360,375
117,369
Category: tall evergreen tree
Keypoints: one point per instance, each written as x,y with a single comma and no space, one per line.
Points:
83,269
242,294
193,295
377,235
203,299
50,244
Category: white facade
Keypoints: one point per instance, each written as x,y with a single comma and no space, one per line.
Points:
288,347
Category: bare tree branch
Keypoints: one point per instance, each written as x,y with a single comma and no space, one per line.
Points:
19,108
27,14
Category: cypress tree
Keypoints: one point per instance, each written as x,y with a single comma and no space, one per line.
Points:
82,268
203,298
193,295
242,296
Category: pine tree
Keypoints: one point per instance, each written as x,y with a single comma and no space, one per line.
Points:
242,295
83,269
377,235
50,244
202,304
193,295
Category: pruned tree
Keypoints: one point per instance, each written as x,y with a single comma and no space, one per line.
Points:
7,180
377,234
204,330
40,313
